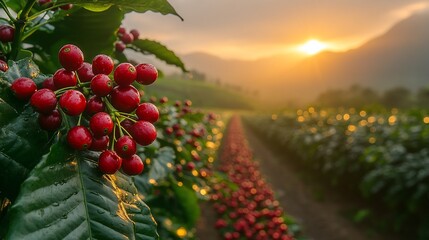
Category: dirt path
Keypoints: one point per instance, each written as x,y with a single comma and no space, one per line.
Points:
320,220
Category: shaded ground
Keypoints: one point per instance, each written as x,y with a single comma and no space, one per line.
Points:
205,226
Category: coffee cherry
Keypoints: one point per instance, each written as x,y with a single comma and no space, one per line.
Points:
101,85
7,33
99,143
120,46
101,124
127,124
49,84
94,105
63,78
147,112
124,74
135,34
70,57
127,38
3,66
144,133
66,7
146,73
102,64
51,121
179,168
79,138
109,162
121,30
44,101
125,98
169,130
43,2
163,100
133,165
85,73
23,88
190,166
73,102
188,103
125,147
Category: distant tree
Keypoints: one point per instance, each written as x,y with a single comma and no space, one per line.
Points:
398,97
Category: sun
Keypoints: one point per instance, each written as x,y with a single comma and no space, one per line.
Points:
312,47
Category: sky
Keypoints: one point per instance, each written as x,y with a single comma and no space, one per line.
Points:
252,29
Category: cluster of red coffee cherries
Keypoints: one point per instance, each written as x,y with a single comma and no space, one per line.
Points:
108,113
125,38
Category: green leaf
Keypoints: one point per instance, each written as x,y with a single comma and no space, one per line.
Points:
21,68
188,201
7,113
66,197
160,6
160,169
160,51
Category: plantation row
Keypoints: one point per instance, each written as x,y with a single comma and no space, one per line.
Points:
383,157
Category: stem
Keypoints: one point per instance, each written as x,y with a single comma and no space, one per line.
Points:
110,108
80,118
34,16
6,10
112,146
33,29
20,24
120,127
133,120
59,91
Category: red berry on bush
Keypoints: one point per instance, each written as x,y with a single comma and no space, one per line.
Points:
190,166
127,124
135,34
73,102
49,84
121,30
109,162
3,66
99,143
94,105
125,147
125,98
179,168
188,103
144,133
101,85
102,64
120,46
44,101
6,33
163,100
79,138
51,121
63,78
23,88
66,7
133,165
101,124
169,130
85,73
43,2
146,73
147,112
127,38
70,57
125,74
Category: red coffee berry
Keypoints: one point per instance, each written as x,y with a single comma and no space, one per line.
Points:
125,147
127,38
101,124
7,33
79,138
102,64
51,121
99,143
144,133
3,66
163,100
146,73
49,84
188,103
85,73
127,124
73,102
125,74
147,112
94,105
44,101
190,166
66,7
43,2
169,130
125,98
23,88
120,46
133,165
121,30
101,85
63,78
70,57
135,34
109,162
179,168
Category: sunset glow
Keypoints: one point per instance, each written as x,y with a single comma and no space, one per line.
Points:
312,47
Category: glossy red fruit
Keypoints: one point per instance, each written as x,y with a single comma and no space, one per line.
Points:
127,38
94,105
51,121
102,64
79,138
66,7
135,34
70,57
101,85
63,78
109,162
49,84
101,124
3,66
125,147
23,88
147,112
99,143
133,165
146,73
125,98
44,101
144,133
85,73
125,74
120,46
73,102
190,166
6,33
127,124
121,30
